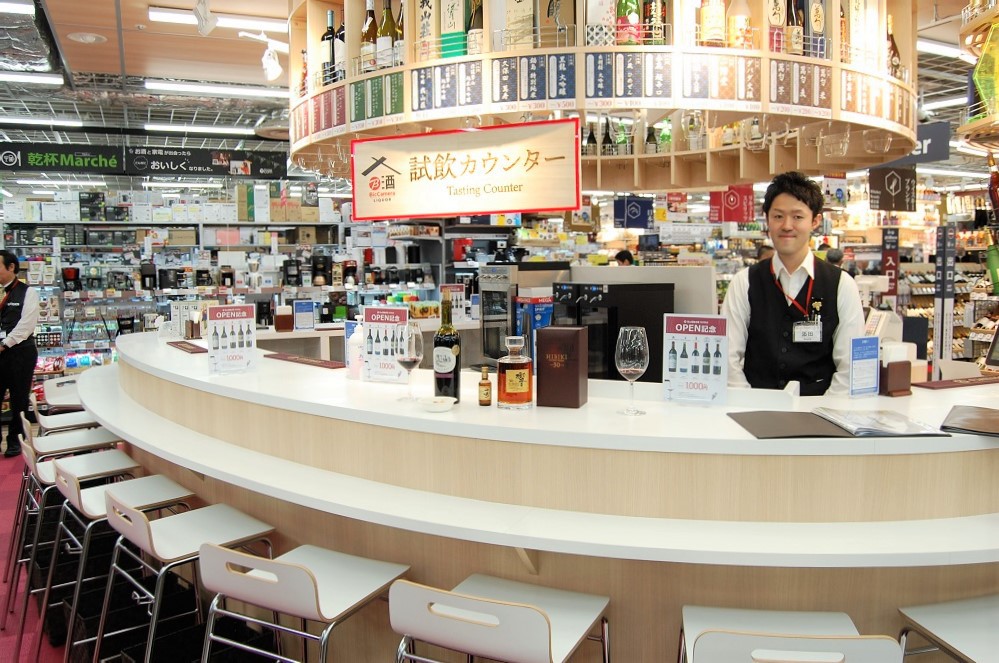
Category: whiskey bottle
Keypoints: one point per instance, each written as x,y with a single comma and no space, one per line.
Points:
514,377
447,356
485,388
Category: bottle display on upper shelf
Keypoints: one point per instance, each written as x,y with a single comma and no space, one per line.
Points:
384,52
369,39
454,41
776,22
475,28
816,44
794,32
588,146
653,23
844,35
303,82
628,31
894,57
330,72
606,142
712,23
340,51
399,47
740,32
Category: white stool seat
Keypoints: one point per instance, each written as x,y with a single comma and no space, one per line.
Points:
73,441
61,392
144,493
179,537
84,466
497,618
55,422
968,628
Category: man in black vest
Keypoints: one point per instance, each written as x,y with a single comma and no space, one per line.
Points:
18,316
792,317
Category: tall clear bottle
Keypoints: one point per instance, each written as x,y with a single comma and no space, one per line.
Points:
514,377
369,39
475,28
447,356
399,47
385,38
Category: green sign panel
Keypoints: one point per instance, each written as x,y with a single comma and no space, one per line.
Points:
357,102
376,97
394,97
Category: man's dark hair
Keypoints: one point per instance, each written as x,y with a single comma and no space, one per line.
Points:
10,260
625,255
795,184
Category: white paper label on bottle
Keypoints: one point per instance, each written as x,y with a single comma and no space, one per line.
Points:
384,57
367,57
474,41
444,360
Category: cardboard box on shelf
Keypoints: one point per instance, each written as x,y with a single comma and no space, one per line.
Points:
279,212
310,214
183,237
306,235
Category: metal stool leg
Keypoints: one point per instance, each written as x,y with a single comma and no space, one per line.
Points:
18,524
41,506
102,623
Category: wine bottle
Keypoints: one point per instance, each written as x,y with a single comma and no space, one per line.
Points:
712,23
628,27
706,360
474,28
386,37
369,346
716,368
653,31
240,338
684,363
369,39
894,57
303,83
794,34
399,47
695,360
340,51
671,366
651,141
606,142
224,342
740,34
329,47
378,342
447,356
215,339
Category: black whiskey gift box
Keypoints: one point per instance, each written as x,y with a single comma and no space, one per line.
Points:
561,359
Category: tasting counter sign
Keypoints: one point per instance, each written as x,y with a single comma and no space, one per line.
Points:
533,167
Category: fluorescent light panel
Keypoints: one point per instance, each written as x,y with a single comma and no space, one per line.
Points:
6,193
236,91
182,185
40,121
43,193
232,21
943,50
59,183
200,129
945,103
26,7
29,77
943,172
335,195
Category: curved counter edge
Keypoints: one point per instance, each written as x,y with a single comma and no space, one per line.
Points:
935,542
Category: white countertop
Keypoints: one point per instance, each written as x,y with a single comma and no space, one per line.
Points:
945,541
668,427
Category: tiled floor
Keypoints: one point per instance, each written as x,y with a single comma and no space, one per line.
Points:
10,479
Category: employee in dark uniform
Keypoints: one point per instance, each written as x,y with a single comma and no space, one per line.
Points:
792,317
18,316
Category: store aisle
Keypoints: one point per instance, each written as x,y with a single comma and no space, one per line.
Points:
10,479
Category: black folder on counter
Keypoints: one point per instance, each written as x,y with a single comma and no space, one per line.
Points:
972,420
829,422
775,424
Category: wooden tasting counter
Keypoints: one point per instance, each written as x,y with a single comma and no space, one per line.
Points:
679,506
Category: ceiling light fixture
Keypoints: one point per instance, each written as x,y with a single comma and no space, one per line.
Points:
945,103
200,129
206,19
943,172
61,183
34,79
272,67
26,7
336,195
964,148
40,121
182,185
43,193
944,50
235,91
87,37
274,44
232,21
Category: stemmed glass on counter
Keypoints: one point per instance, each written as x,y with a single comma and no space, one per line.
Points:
409,351
632,359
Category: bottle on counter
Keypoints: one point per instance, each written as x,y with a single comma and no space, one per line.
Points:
369,39
485,388
447,356
385,37
355,352
514,377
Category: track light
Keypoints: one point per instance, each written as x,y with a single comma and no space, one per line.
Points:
206,20
272,68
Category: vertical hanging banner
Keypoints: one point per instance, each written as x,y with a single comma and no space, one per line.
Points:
889,259
945,264
529,167
734,204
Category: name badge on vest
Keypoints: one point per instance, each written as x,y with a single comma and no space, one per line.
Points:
808,331
3,334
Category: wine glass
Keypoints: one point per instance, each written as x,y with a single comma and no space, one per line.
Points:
409,351
631,356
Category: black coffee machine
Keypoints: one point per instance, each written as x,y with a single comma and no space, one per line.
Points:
322,272
227,276
202,277
265,313
147,274
168,278
292,271
71,278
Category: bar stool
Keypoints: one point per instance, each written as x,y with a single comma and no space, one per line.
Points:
55,423
720,635
309,582
498,619
51,446
86,509
168,542
100,465
965,630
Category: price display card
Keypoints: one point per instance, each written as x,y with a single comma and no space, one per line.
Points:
456,293
865,365
470,83
382,343
305,314
231,336
562,79
695,358
599,80
504,77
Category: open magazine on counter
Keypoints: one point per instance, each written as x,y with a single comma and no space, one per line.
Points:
876,423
